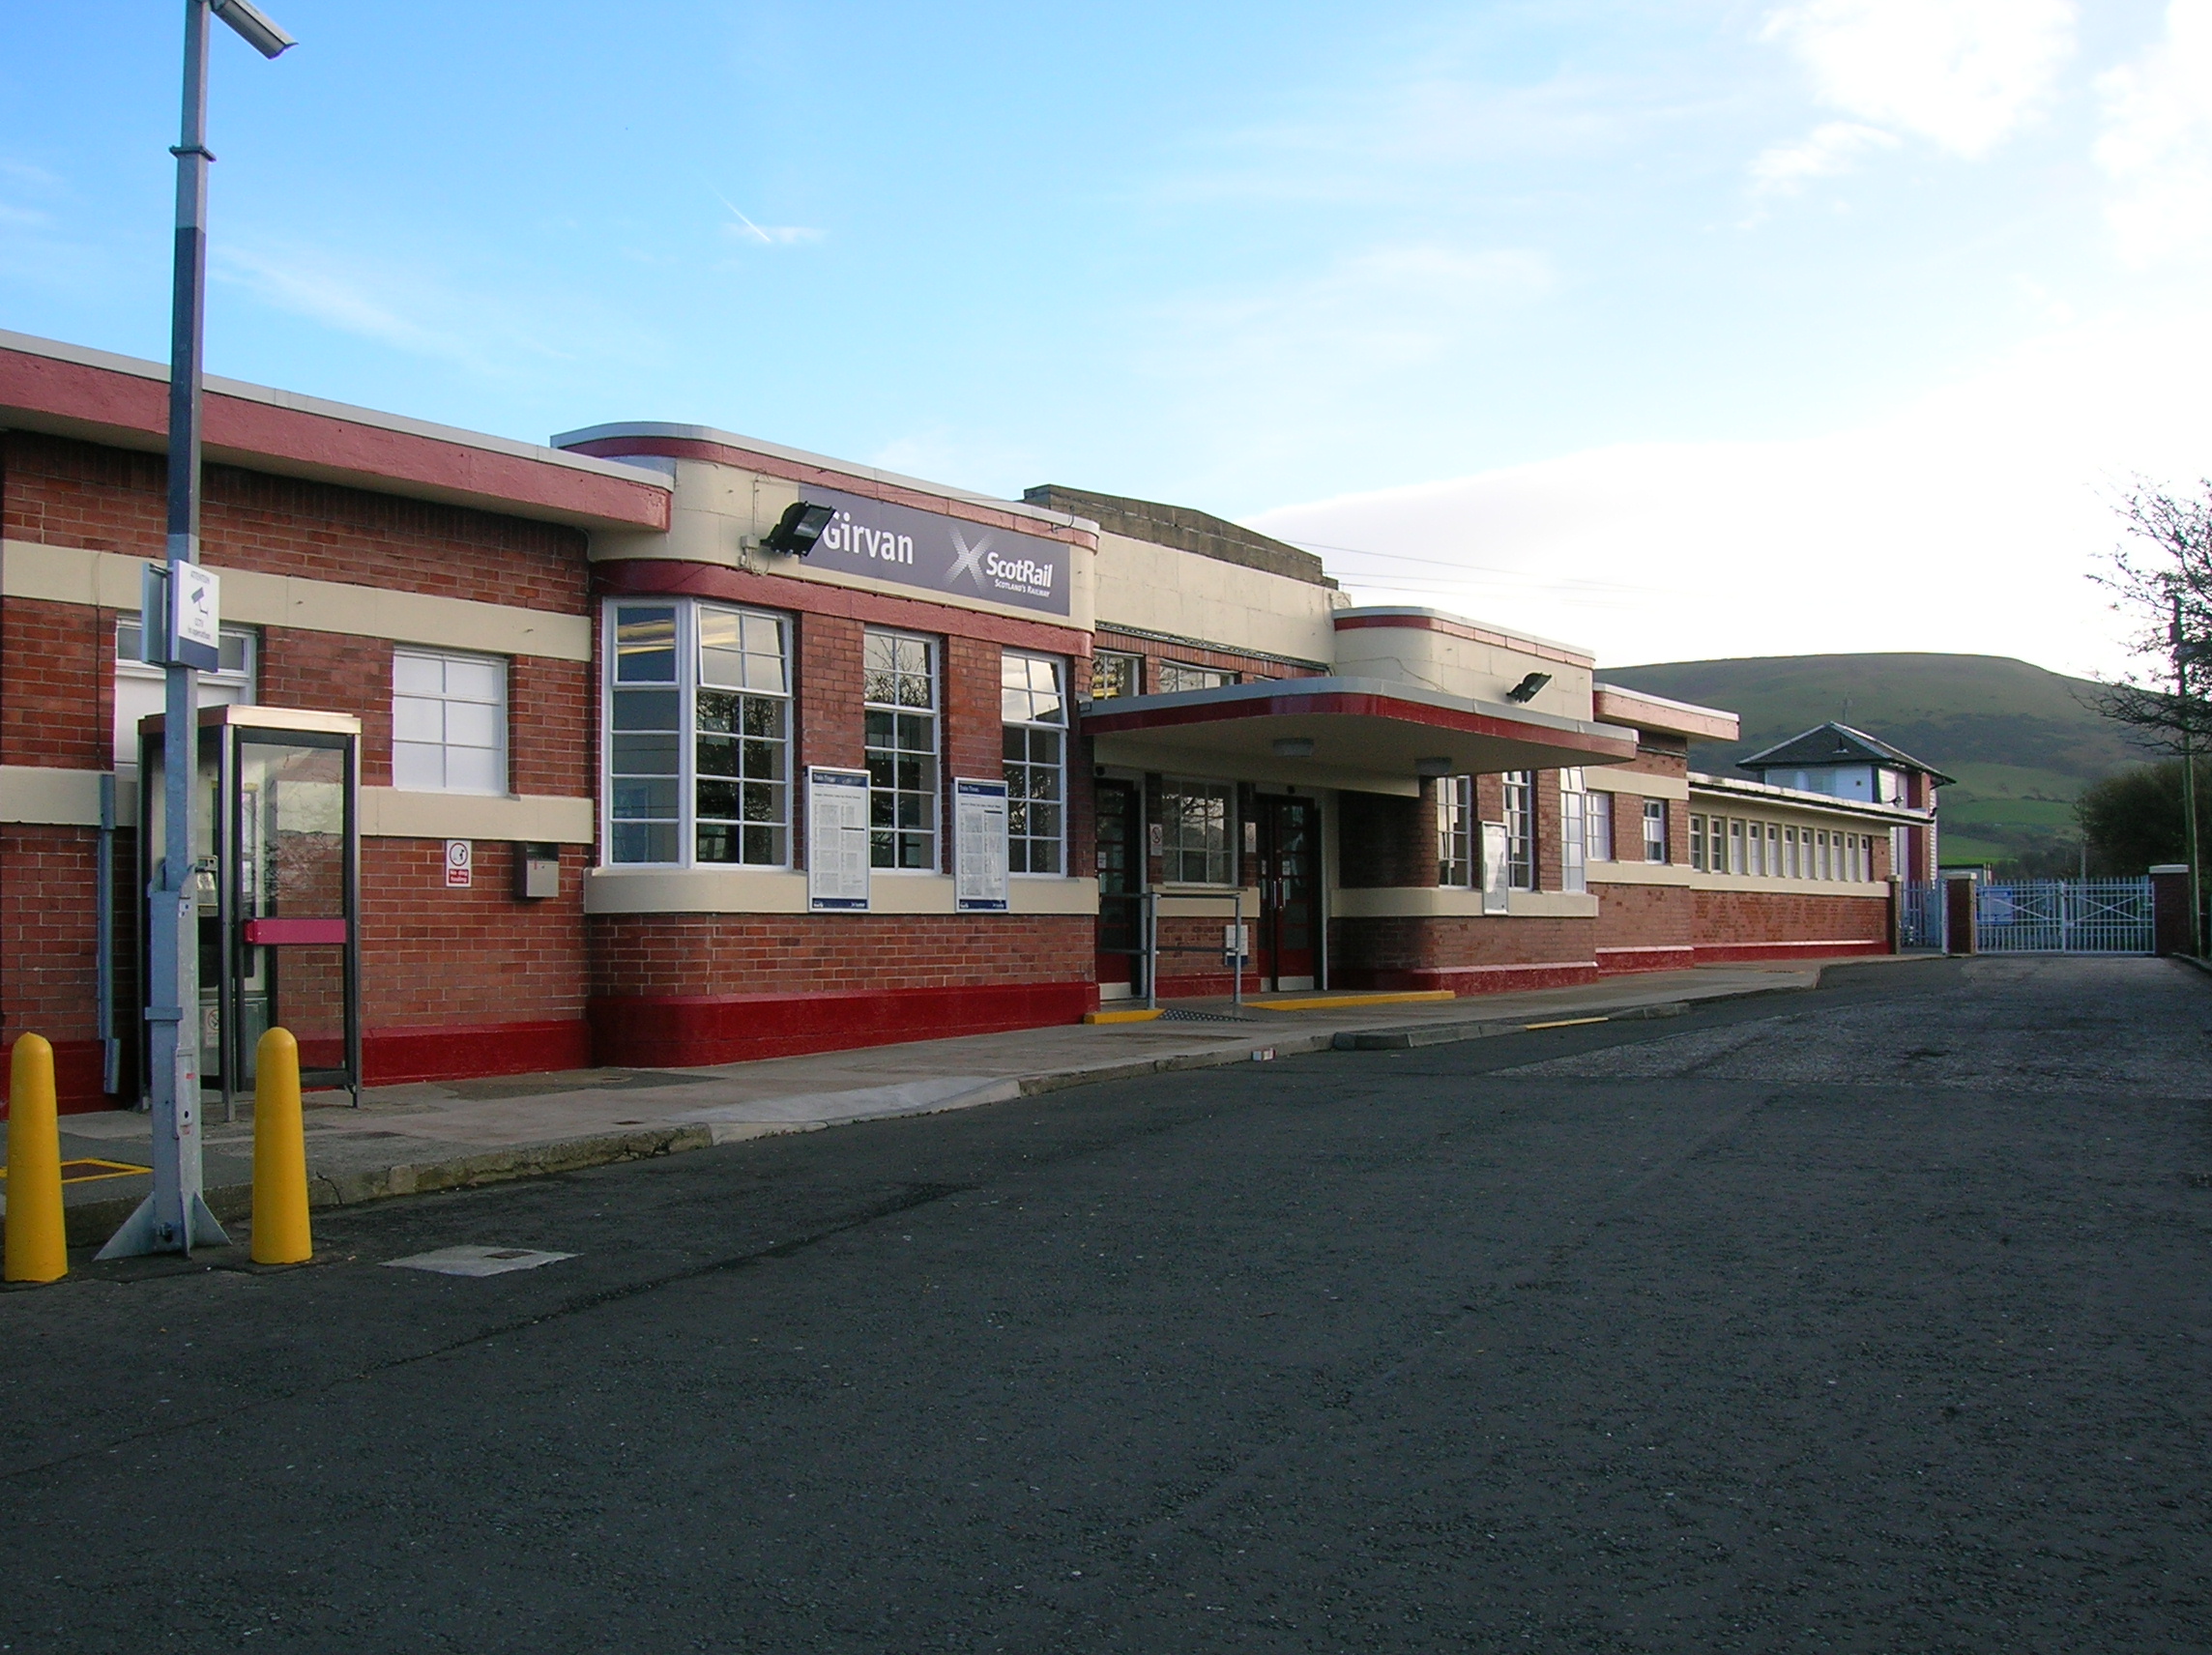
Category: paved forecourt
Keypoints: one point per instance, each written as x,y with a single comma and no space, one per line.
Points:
1868,1317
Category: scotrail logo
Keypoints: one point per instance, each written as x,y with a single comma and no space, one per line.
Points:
970,562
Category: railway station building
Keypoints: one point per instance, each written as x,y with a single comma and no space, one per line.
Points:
662,747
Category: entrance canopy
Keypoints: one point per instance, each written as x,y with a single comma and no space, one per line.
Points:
1363,734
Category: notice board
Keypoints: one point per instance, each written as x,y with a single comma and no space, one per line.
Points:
836,839
980,845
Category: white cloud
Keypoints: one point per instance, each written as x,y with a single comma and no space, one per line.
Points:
2157,141
1962,73
1967,521
1831,148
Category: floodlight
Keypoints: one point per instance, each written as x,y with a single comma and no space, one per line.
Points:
254,26
799,528
1529,687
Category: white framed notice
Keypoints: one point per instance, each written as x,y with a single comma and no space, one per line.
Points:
979,844
836,839
1496,890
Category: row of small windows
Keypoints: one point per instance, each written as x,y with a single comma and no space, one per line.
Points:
1778,849
699,763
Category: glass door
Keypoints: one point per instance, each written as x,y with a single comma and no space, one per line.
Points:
1120,886
1288,932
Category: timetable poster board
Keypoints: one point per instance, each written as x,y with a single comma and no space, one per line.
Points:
980,846
836,839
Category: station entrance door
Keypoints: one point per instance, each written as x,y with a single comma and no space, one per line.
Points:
1287,939
278,830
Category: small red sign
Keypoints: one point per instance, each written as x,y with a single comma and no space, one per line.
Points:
461,863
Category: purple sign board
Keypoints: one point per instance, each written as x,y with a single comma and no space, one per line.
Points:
947,554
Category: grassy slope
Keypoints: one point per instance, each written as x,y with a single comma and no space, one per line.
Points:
2022,741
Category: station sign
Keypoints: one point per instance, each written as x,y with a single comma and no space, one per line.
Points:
949,555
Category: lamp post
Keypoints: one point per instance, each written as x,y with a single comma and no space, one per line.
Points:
2184,652
181,632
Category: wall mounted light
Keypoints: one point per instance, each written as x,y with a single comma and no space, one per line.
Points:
799,528
1293,746
1530,687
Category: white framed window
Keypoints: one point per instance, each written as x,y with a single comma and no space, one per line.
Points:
698,735
1698,842
448,721
1734,846
1174,675
1820,844
1655,829
898,676
1198,832
1114,675
1521,829
1788,853
1457,837
140,689
1598,810
1574,875
1033,713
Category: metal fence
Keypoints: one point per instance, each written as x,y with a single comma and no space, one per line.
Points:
2064,916
1921,923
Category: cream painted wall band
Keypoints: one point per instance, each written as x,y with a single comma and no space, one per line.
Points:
1600,780
756,890
73,574
387,813
35,795
1447,902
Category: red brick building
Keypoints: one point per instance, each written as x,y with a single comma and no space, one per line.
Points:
933,776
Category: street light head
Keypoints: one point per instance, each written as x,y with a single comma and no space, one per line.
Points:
254,26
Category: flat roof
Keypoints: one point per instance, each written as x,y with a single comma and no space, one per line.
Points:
71,391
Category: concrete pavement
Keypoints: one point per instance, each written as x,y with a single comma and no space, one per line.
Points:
413,1139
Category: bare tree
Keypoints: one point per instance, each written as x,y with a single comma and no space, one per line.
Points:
2161,577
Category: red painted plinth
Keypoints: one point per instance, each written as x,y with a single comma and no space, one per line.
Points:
391,1056
1826,949
690,1031
1671,957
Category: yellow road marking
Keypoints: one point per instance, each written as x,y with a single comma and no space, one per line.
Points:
86,1172
1567,1023
1140,1015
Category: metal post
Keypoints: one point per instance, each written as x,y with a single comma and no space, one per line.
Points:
103,943
1151,902
2188,785
176,1214
1236,953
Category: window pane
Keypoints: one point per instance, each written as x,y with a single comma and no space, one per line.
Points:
645,842
472,724
475,680
474,770
644,709
417,675
418,766
414,719
644,755
645,644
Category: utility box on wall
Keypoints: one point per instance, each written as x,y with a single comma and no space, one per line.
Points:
536,871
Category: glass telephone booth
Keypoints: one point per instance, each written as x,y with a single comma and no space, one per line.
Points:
279,827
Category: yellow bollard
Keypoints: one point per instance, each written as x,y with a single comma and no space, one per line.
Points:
279,1154
37,1246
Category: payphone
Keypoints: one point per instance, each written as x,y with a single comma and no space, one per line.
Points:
279,827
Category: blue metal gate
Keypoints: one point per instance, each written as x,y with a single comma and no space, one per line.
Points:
1920,924
2064,916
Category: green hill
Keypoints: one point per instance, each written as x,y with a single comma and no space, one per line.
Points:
2022,741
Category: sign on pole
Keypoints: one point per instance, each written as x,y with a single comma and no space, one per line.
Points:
195,637
836,839
978,846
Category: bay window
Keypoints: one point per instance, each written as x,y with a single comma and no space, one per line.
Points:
698,735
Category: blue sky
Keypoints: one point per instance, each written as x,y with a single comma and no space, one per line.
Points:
1690,329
